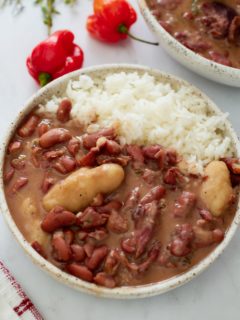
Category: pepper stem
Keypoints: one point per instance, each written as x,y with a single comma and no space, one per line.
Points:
44,78
123,29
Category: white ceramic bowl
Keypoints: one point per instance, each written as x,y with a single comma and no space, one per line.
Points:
206,68
57,87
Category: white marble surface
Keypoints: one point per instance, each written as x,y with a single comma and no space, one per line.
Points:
213,295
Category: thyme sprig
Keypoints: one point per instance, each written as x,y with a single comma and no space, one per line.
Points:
48,8
17,5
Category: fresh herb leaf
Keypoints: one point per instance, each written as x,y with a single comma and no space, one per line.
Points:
48,8
17,5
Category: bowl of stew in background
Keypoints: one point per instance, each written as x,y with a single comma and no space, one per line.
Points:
201,35
106,210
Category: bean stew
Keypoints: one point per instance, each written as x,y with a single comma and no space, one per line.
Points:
209,28
109,213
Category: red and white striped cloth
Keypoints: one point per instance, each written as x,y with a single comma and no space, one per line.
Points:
14,303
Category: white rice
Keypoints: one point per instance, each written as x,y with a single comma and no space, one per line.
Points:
147,111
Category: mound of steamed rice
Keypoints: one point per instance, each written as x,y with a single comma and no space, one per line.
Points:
146,111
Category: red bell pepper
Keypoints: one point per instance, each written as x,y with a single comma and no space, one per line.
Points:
54,57
112,20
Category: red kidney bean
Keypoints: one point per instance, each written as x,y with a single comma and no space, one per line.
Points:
152,256
78,253
27,129
90,140
206,214
35,161
20,183
73,146
109,207
155,193
217,18
18,163
161,158
145,227
132,201
166,158
144,265
63,111
117,223
172,176
181,245
56,218
43,127
61,249
80,271
88,248
218,235
205,237
234,168
65,164
121,159
38,247
68,236
98,235
90,218
53,154
81,235
129,245
232,163
188,15
143,237
151,151
136,153
112,147
171,157
179,248
184,204
59,167
97,257
8,175
47,182
88,160
14,146
54,136
35,155
184,231
150,176
111,263
105,280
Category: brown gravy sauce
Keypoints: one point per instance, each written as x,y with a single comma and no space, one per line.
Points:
28,218
175,19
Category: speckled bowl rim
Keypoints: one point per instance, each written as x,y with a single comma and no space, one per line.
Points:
190,59
121,292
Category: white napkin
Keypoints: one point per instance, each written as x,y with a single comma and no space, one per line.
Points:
14,303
